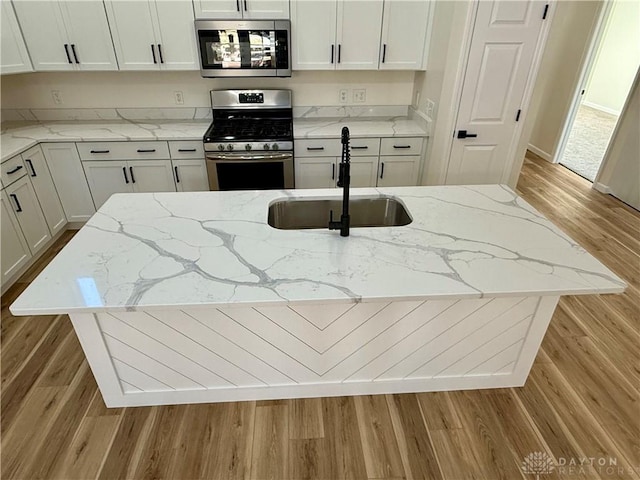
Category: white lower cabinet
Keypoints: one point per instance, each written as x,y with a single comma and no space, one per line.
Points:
190,175
316,172
14,253
398,171
68,176
23,201
364,171
46,192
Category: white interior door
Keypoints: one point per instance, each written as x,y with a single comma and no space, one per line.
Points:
176,36
358,35
503,45
313,32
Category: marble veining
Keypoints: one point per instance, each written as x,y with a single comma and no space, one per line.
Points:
203,249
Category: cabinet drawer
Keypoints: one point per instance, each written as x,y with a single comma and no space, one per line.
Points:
322,147
12,170
365,147
401,146
123,150
189,149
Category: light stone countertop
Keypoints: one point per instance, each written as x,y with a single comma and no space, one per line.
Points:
202,249
18,137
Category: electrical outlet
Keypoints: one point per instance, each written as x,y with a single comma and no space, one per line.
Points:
178,97
359,95
57,97
430,108
344,95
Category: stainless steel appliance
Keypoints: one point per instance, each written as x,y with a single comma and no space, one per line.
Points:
249,48
249,145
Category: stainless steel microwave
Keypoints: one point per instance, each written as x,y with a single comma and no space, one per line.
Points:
250,48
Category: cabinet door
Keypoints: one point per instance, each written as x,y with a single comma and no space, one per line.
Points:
14,253
151,175
133,36
364,171
45,34
265,9
398,171
89,35
45,189
190,175
316,172
404,30
217,9
14,57
313,32
68,176
358,34
176,35
30,217
106,178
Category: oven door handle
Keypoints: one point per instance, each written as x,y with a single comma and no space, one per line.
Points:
249,158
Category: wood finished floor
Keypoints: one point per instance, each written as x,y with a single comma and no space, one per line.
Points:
581,399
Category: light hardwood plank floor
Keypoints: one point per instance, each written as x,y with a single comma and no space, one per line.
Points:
581,399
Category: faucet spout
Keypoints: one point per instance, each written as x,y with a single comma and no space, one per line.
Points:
344,181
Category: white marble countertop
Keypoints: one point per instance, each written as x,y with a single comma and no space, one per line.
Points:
175,250
19,136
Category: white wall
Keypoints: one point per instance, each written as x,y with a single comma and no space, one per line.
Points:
617,59
156,89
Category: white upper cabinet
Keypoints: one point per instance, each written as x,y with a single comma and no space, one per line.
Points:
358,34
14,57
150,35
342,34
404,32
236,9
66,35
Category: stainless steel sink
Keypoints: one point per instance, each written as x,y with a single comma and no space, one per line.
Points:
364,212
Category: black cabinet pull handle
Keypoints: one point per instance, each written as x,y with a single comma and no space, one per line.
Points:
66,50
124,172
99,151
402,146
381,169
160,53
133,179
315,148
150,150
464,134
333,48
245,5
238,4
364,147
384,52
333,171
15,199
153,52
75,54
19,167
33,170
339,52
177,176
186,149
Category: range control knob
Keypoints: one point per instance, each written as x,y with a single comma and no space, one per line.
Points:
229,147
274,146
266,146
221,147
247,146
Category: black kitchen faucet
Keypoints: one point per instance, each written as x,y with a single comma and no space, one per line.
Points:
344,180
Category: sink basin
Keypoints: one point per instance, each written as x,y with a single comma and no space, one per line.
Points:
364,212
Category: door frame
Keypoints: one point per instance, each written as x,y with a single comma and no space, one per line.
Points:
588,63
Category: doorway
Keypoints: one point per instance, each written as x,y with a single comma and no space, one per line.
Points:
609,73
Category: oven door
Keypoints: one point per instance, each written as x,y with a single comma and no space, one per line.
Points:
259,48
264,171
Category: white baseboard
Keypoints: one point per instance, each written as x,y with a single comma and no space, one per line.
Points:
601,187
540,153
595,106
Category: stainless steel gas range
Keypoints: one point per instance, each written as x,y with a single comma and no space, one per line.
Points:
249,145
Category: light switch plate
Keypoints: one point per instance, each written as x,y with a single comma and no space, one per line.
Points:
57,97
430,108
179,97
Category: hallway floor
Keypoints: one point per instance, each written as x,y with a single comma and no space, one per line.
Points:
588,141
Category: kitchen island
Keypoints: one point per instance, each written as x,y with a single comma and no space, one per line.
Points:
194,297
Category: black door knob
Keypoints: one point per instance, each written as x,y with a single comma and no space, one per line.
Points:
464,134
